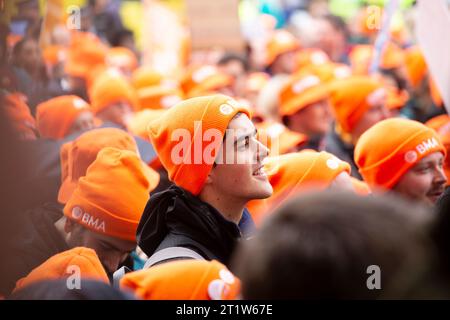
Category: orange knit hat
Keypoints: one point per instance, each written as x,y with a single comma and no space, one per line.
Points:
277,136
415,64
111,197
256,81
211,112
310,56
296,172
204,80
144,77
183,280
139,122
361,57
76,156
56,116
350,99
122,58
159,97
109,88
438,122
63,264
327,72
85,53
19,114
281,42
386,151
300,92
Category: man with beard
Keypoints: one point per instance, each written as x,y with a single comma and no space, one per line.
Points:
403,156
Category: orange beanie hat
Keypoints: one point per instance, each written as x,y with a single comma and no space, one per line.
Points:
211,112
19,114
183,280
109,88
386,151
256,81
159,97
438,122
139,122
281,42
146,77
204,80
56,116
300,92
350,99
111,197
296,172
62,265
76,156
310,56
361,57
327,72
416,66
121,57
277,136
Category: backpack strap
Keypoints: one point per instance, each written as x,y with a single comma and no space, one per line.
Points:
171,253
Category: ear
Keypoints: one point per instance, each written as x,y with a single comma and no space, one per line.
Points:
210,177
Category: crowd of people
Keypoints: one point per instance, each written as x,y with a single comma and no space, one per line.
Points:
294,170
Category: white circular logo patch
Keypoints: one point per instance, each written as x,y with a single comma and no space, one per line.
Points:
216,289
77,212
333,164
79,104
226,109
411,156
226,276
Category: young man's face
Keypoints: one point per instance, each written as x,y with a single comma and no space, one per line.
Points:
239,172
377,112
111,251
313,120
425,181
117,113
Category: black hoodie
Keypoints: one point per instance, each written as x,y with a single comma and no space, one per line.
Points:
176,218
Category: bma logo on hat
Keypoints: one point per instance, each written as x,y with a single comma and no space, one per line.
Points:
77,212
305,83
226,109
411,156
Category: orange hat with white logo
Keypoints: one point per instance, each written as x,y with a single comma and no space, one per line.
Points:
76,156
194,116
300,92
159,97
183,280
109,88
111,197
83,260
386,151
204,80
310,56
281,42
439,122
352,97
56,116
278,138
296,172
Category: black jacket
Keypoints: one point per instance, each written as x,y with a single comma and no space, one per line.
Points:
176,218
37,240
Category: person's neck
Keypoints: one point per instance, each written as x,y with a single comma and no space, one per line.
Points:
231,209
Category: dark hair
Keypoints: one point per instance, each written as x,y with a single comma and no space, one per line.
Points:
230,56
321,245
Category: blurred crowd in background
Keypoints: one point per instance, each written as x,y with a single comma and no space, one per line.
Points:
352,134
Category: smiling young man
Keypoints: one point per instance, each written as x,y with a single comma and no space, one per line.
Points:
403,156
209,148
